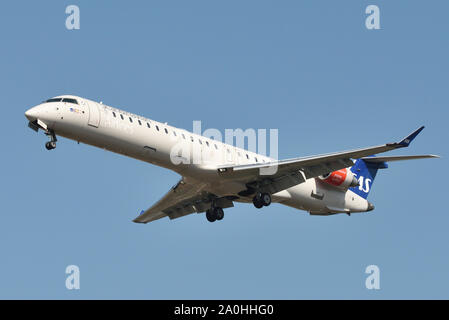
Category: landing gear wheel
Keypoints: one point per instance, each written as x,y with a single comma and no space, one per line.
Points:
214,214
266,199
219,213
210,215
50,145
257,201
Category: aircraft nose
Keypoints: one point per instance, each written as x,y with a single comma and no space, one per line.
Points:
370,206
33,113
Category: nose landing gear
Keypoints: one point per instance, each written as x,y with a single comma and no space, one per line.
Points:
50,145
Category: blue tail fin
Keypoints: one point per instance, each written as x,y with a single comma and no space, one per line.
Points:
365,173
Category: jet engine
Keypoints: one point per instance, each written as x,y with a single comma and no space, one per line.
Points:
342,178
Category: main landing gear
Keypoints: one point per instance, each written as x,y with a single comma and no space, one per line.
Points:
50,145
261,199
214,214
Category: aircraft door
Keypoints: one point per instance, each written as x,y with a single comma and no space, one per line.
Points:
94,114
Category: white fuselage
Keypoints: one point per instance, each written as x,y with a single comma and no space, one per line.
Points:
157,143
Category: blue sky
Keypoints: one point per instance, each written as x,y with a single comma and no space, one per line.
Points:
308,68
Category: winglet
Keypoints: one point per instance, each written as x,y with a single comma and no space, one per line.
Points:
407,140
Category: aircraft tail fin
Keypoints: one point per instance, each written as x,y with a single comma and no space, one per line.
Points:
365,172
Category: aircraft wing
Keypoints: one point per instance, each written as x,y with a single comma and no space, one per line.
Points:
279,175
189,196
184,198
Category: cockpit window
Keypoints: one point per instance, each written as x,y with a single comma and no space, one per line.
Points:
54,100
70,100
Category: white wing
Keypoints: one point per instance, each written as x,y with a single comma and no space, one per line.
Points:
184,198
279,175
188,196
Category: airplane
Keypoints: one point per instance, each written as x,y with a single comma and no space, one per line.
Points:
322,185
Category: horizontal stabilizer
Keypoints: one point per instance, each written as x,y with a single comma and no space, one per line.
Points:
397,158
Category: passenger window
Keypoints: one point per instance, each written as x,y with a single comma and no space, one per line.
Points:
157,128
191,138
174,133
216,146
200,141
247,156
130,120
183,136
166,131
113,113
148,125
140,123
207,143
256,159
121,116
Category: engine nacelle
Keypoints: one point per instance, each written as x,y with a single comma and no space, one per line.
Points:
342,178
